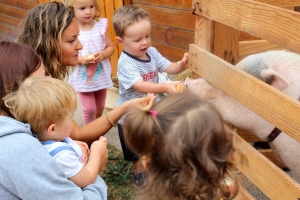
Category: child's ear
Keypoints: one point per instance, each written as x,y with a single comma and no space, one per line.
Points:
119,40
51,129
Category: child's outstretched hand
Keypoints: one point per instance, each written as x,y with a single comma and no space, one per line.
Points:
171,87
183,64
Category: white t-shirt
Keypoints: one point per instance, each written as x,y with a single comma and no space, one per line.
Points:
132,70
68,154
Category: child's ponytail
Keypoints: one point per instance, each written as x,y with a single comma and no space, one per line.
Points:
140,130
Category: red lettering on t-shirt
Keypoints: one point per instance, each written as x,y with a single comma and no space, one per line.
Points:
149,76
145,77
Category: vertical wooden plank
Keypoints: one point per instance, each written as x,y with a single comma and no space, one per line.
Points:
203,35
118,48
226,43
109,11
102,8
118,3
127,2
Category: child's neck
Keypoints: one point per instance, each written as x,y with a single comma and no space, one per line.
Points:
86,26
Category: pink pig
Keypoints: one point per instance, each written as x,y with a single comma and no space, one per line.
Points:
280,69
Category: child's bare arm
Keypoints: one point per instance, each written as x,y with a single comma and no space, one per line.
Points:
156,88
87,175
175,68
107,52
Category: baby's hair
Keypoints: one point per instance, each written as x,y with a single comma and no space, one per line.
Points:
126,16
97,6
189,147
42,30
41,101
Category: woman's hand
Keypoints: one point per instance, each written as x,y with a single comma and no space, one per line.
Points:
145,103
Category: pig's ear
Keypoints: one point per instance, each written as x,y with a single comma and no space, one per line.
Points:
274,79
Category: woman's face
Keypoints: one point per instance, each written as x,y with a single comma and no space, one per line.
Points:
70,45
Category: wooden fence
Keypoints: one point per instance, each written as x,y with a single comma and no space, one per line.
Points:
172,23
225,32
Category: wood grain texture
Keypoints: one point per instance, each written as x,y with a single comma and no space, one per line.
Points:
180,19
12,11
245,36
225,44
118,48
248,136
282,3
277,25
102,8
10,21
109,11
177,4
247,48
271,180
172,36
28,4
127,2
270,155
203,35
251,92
174,54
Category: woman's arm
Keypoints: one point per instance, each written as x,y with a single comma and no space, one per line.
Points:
99,127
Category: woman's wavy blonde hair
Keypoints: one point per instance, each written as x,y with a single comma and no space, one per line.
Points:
189,148
42,30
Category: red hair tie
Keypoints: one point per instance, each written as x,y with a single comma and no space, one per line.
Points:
154,113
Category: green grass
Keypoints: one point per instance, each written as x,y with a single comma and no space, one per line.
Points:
118,175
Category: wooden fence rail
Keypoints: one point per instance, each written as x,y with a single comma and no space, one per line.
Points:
212,59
